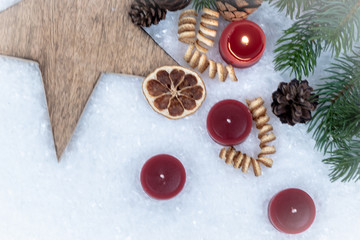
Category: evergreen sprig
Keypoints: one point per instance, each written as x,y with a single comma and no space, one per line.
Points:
293,8
296,52
198,5
345,163
336,123
327,25
338,26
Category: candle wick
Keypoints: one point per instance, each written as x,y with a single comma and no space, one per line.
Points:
293,210
245,40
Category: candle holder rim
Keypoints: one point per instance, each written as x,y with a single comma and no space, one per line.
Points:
310,222
238,140
223,49
182,172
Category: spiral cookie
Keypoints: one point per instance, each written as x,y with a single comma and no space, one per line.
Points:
187,26
206,33
196,59
222,72
258,112
238,159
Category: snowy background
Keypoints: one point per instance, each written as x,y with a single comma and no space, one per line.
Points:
95,192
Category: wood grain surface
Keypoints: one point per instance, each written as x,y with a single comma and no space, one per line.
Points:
74,41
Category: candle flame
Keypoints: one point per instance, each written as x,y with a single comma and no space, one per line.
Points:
245,40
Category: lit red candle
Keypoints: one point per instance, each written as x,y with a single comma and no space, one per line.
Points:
163,176
242,43
229,122
291,211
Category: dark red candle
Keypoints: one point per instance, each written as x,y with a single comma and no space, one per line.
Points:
163,176
291,211
242,43
229,122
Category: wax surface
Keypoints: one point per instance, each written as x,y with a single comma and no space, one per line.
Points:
242,43
163,176
229,122
292,211
245,42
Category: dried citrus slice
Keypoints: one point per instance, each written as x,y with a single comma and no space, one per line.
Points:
174,91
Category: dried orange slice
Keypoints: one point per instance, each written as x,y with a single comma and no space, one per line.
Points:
174,91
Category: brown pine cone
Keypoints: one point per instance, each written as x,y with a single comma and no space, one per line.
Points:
146,12
293,102
173,5
236,10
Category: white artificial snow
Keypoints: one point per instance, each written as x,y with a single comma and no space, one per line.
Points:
4,4
95,192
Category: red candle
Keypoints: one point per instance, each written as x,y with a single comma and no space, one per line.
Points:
163,176
291,211
229,122
242,43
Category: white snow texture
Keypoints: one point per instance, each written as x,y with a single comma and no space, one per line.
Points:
95,192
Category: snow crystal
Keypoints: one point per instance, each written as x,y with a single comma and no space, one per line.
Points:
4,4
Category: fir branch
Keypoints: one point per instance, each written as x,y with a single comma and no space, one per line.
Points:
345,162
337,24
336,123
292,7
328,24
296,52
337,119
198,5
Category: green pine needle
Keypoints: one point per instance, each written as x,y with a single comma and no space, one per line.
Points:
345,162
293,8
296,52
336,123
198,5
325,25
337,25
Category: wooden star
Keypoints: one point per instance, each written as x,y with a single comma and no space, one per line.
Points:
74,41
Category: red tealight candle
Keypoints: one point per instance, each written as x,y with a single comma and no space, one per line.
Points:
229,122
242,43
291,211
163,176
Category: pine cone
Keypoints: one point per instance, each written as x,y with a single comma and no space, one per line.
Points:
173,5
146,12
293,102
236,10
